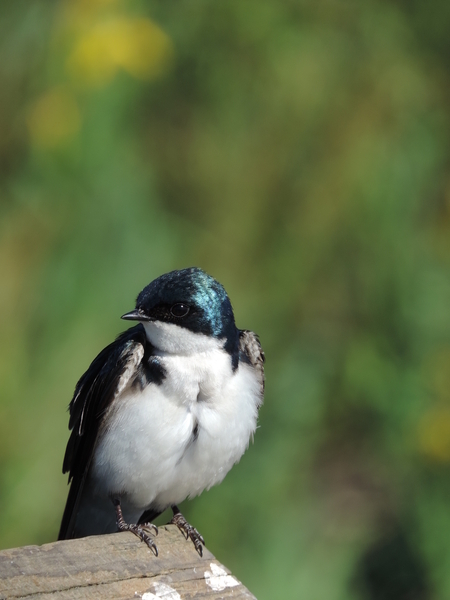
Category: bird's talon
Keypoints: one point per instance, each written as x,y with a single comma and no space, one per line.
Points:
189,532
150,527
138,530
151,545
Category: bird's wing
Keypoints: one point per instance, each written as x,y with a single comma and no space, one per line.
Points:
118,365
250,352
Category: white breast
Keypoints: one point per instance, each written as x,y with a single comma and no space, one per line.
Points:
149,453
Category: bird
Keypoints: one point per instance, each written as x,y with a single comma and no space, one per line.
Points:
163,412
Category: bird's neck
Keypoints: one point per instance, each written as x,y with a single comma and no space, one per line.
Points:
173,339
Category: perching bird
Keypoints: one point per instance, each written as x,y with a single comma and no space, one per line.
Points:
163,412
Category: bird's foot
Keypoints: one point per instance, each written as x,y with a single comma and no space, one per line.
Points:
187,530
138,530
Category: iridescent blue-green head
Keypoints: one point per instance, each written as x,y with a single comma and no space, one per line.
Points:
191,299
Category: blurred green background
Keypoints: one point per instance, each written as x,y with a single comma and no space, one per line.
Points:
299,152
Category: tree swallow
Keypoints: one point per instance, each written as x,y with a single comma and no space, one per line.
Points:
163,412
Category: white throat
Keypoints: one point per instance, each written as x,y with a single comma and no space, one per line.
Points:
174,339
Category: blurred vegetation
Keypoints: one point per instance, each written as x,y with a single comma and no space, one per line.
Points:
299,152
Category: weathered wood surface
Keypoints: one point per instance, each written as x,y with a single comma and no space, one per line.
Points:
116,566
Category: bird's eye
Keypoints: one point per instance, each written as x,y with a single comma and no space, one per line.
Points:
179,310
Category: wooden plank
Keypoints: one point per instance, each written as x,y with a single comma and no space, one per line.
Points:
116,566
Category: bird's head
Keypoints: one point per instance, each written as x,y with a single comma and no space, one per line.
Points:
185,311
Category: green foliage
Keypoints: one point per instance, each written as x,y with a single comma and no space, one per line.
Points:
298,151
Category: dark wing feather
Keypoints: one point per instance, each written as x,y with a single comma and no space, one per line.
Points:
250,351
104,380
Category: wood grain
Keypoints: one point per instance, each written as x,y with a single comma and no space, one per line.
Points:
116,566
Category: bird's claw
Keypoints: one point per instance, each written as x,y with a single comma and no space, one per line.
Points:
138,530
150,527
189,532
144,537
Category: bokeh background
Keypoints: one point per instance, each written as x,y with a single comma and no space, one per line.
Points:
299,151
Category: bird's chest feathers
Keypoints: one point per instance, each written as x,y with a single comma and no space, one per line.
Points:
197,378
176,438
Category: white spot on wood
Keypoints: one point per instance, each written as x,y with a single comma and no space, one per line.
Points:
218,579
161,591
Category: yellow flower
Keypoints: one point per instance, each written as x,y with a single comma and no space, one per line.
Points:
54,118
434,435
136,45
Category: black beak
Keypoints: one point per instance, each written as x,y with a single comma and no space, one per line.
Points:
136,315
